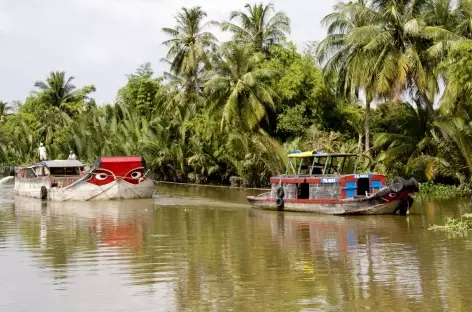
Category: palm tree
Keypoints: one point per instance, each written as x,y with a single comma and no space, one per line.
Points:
439,13
455,100
379,47
189,45
5,110
345,60
238,87
57,90
255,155
182,98
410,140
260,25
463,17
455,149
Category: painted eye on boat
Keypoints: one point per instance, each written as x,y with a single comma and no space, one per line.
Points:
136,175
101,176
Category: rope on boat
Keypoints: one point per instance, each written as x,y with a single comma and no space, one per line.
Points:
215,186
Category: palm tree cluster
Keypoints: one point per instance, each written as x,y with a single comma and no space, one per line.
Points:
396,52
391,80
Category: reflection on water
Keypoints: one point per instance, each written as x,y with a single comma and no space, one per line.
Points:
204,249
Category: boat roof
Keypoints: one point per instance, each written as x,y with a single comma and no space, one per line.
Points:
300,154
120,159
60,163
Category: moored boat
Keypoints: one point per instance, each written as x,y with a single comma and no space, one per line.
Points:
109,178
329,184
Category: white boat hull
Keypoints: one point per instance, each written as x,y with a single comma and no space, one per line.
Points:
83,191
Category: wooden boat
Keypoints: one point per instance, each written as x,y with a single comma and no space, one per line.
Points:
66,180
329,184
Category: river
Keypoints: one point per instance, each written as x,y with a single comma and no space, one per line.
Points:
196,248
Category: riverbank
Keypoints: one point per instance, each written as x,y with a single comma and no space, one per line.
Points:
443,191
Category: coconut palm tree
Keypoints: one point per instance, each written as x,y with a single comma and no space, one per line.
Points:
190,44
259,25
379,47
346,60
412,139
5,110
455,100
439,13
455,149
255,155
56,90
238,87
463,17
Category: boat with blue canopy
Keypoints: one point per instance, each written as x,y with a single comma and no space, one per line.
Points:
330,183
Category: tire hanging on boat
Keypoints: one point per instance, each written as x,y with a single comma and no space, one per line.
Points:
43,193
280,192
397,185
280,198
280,204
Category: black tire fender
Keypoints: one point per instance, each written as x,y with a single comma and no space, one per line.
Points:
279,203
280,192
43,192
397,185
412,185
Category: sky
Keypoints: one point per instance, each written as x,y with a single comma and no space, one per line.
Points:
101,41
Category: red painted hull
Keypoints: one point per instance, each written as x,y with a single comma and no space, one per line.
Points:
365,205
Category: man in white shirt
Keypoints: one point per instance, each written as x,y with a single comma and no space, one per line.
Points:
42,152
72,156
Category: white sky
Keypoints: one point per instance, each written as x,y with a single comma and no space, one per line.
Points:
100,41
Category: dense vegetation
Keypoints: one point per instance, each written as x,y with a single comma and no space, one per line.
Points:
373,86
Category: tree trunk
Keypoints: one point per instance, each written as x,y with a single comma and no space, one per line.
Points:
359,143
367,124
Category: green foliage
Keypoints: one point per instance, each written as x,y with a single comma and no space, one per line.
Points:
454,157
293,121
458,227
301,89
458,72
142,91
441,191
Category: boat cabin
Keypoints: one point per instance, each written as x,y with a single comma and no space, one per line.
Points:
318,175
60,172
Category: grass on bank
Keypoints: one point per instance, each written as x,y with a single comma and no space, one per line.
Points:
442,191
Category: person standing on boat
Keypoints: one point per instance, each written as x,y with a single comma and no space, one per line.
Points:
42,152
72,156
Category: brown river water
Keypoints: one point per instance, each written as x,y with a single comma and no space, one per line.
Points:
204,249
